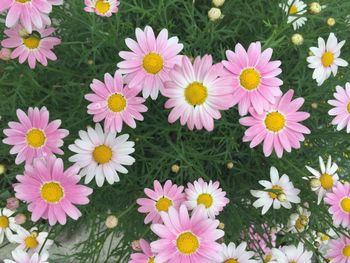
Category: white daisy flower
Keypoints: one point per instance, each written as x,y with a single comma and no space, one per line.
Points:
7,225
239,254
294,9
298,222
288,254
32,241
325,59
323,181
279,192
322,240
208,194
101,155
20,256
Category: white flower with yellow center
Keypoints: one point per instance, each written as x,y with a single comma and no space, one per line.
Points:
323,181
279,192
239,254
32,240
292,254
325,59
208,194
298,222
7,225
102,155
294,10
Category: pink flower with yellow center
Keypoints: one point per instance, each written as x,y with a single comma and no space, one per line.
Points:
102,7
34,136
339,250
277,127
30,13
151,59
185,238
32,47
341,109
339,201
160,200
255,81
50,191
115,103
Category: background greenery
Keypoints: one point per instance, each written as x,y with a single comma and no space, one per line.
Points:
90,46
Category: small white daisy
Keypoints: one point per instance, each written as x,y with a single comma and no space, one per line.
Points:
20,256
298,222
294,10
279,192
322,240
323,181
239,254
101,155
325,59
208,194
32,241
7,225
288,254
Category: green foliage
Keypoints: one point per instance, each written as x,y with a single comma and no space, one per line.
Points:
90,46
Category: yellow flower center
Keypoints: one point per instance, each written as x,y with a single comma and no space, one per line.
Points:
36,138
327,59
153,63
293,10
231,260
116,102
301,222
23,1
150,260
250,79
345,204
326,181
348,107
102,6
52,192
346,251
196,93
275,121
205,199
292,261
187,243
324,237
163,204
278,189
31,42
268,258
102,154
31,242
4,222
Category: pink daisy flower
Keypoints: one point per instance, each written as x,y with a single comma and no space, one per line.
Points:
278,126
148,65
115,103
33,47
197,93
29,12
341,109
51,192
339,201
208,194
185,238
102,7
339,250
160,200
146,256
33,136
255,81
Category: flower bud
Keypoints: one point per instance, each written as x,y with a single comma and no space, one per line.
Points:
2,169
297,39
315,183
12,203
331,21
5,54
135,245
20,219
111,221
315,8
218,3
282,197
229,165
214,14
175,168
